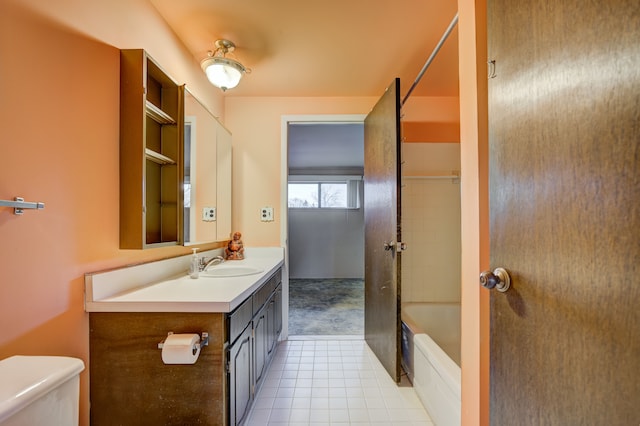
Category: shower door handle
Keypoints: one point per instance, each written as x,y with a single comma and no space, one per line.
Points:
399,246
498,279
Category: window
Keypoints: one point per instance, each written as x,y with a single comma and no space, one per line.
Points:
323,194
303,195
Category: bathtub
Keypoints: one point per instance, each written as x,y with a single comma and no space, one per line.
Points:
431,357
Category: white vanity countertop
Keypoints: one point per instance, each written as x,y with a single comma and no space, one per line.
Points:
125,290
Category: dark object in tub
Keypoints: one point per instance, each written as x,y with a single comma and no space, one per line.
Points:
407,351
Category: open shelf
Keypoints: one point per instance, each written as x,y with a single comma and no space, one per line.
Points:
150,153
158,115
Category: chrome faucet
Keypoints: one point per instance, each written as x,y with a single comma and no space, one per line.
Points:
216,260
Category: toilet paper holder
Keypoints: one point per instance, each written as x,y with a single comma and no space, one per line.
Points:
204,339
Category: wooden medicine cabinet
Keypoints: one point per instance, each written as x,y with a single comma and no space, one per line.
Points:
151,115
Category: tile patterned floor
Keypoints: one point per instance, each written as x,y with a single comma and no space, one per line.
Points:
332,382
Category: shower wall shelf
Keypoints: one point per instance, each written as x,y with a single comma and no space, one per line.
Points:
455,177
433,177
19,205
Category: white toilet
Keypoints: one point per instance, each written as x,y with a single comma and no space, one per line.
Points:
39,390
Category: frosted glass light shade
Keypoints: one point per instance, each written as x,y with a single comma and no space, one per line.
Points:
222,72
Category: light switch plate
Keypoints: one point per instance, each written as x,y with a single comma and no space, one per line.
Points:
266,214
209,214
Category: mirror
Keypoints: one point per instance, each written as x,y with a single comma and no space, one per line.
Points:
206,175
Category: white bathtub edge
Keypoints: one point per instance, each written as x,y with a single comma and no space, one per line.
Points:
448,370
439,387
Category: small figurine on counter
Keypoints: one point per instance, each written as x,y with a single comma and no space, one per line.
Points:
235,248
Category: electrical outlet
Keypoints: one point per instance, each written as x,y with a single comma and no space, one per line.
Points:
209,214
266,214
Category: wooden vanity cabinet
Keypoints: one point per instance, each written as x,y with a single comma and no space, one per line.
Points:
130,385
151,123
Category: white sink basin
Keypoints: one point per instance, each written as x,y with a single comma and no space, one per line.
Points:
224,271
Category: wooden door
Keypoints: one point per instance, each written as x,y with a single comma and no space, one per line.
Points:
564,160
382,229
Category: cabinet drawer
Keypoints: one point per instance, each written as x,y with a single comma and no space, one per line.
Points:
239,319
263,294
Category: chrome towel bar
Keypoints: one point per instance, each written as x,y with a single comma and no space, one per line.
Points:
19,204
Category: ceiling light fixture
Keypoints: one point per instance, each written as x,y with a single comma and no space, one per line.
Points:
221,71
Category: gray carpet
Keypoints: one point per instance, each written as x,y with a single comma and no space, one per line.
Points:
326,307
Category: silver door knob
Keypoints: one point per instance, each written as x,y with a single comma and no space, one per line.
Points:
498,279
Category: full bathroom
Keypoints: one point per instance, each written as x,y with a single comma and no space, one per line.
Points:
62,123
542,97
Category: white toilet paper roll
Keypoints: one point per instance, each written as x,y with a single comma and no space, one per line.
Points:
181,349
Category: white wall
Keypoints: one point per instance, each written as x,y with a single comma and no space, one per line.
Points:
431,223
326,243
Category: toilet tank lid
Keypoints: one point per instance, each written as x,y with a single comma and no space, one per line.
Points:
23,379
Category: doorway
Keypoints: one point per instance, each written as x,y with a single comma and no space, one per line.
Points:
325,224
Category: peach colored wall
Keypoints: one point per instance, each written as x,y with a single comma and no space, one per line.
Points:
442,109
59,115
474,199
131,24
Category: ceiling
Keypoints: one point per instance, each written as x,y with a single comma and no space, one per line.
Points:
315,146
324,48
